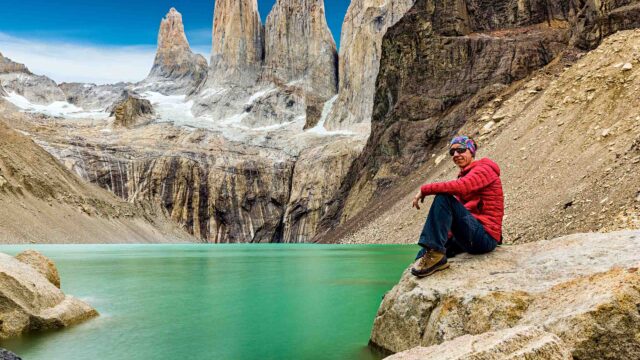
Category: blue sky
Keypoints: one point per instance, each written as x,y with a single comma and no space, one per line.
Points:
56,37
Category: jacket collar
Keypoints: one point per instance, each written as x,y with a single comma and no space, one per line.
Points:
468,168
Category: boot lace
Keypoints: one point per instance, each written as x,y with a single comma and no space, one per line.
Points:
429,257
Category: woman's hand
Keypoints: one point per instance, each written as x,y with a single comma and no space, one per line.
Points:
419,198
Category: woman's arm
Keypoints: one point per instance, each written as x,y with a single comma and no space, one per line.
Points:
479,177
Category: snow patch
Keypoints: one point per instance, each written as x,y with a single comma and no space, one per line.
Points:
55,109
170,107
319,129
259,95
213,91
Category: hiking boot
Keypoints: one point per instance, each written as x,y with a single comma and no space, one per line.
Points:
431,262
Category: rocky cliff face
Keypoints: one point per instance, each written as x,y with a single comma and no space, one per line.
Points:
444,60
238,43
299,47
16,78
554,186
42,201
176,69
316,176
217,189
582,290
364,25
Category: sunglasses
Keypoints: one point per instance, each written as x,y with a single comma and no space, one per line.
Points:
460,150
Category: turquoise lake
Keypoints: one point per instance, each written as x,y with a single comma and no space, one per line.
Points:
219,301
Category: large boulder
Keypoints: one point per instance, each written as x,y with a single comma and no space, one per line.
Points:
584,288
30,302
42,264
131,111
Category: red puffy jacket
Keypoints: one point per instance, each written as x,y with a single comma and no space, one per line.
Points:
479,189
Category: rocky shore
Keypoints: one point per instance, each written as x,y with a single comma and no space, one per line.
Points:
572,297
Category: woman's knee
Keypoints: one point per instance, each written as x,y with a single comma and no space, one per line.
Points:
443,198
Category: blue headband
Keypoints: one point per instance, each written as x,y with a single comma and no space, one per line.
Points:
466,142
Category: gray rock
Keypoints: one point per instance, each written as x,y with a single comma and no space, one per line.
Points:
15,77
92,96
8,355
519,343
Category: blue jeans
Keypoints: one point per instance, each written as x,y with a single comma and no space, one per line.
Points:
447,213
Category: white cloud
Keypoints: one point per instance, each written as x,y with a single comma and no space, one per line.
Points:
69,62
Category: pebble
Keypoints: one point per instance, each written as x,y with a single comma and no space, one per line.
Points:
627,67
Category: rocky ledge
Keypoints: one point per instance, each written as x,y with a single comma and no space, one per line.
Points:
572,297
30,299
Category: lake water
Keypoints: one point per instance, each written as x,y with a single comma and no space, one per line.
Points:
219,302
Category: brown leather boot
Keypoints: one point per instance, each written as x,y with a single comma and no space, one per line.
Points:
431,262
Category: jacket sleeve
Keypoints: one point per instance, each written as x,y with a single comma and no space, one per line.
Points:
476,179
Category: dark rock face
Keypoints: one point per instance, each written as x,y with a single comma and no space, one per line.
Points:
131,111
314,111
598,19
444,59
217,197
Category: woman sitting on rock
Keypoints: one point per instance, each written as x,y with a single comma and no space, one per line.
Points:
466,214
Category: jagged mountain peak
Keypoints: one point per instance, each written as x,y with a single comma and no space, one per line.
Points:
299,46
176,69
171,32
238,45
